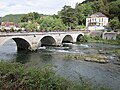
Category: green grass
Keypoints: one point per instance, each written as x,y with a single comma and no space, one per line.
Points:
15,76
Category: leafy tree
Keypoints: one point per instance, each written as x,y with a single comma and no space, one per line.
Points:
23,25
82,11
49,23
67,14
30,17
33,16
114,9
102,6
24,18
114,23
31,27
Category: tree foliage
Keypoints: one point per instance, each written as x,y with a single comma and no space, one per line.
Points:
82,11
49,23
114,9
30,16
67,14
102,6
114,23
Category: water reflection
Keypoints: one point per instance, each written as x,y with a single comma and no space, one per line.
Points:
23,56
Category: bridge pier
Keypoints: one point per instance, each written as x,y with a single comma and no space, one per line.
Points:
33,47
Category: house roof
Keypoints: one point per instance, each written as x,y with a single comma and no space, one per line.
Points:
98,14
7,24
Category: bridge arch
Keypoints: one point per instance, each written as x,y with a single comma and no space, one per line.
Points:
67,39
21,43
78,37
47,41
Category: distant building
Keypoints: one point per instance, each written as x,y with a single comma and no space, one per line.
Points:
97,21
9,25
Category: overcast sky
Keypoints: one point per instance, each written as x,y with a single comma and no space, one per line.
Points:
40,6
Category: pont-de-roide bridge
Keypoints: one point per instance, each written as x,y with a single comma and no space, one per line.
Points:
32,41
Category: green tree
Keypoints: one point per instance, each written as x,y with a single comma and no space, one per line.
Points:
49,23
31,27
82,11
33,16
67,14
30,17
114,9
24,18
114,23
102,6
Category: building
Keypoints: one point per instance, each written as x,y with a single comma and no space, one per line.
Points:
97,21
9,25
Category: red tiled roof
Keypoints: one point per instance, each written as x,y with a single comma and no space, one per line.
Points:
7,24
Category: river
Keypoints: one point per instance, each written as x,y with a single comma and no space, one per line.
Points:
107,75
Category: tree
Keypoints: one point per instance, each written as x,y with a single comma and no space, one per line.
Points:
67,14
24,18
102,6
51,23
33,16
114,9
82,11
31,27
30,17
114,23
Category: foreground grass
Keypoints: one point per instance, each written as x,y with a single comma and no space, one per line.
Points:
15,76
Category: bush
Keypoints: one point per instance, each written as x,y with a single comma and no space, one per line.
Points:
87,38
84,38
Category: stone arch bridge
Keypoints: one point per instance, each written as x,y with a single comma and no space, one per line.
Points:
31,41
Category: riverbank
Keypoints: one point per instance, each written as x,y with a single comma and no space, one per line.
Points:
97,39
18,77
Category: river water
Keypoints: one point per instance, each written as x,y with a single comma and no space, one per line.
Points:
107,75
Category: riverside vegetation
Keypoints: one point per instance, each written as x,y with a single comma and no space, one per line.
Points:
97,39
15,76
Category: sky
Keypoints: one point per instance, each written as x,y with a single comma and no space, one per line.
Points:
48,7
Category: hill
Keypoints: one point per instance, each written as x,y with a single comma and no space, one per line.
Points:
15,17
12,18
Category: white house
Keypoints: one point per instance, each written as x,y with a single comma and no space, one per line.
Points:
96,21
